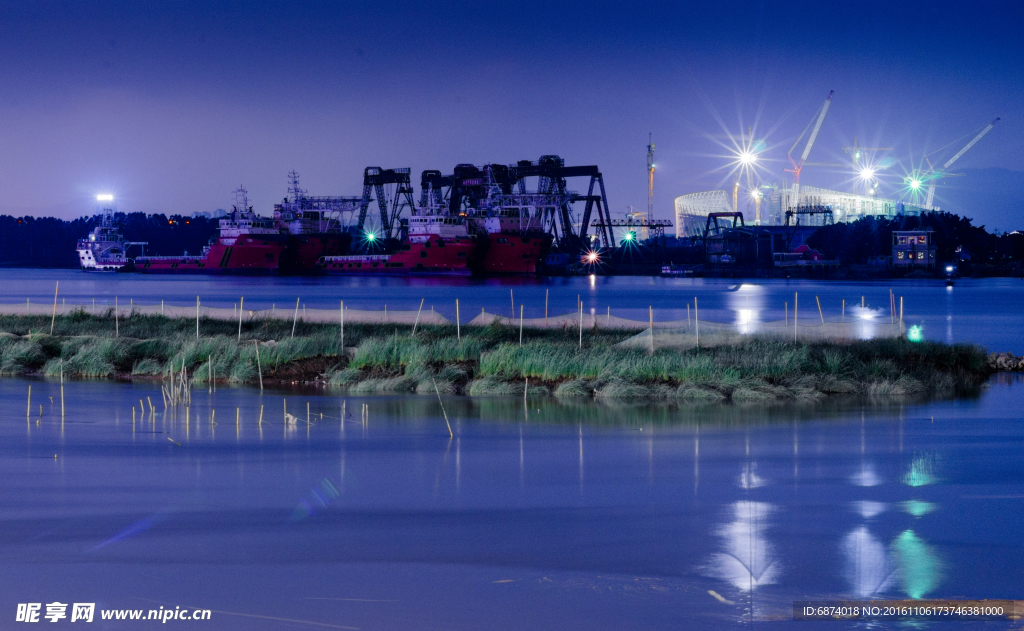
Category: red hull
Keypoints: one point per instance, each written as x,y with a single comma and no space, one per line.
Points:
514,253
434,256
247,256
305,250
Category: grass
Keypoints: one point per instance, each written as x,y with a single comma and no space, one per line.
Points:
485,361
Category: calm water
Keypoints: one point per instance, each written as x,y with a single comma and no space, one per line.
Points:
547,516
987,311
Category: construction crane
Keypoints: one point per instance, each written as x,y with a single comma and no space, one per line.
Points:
854,153
815,127
934,175
650,178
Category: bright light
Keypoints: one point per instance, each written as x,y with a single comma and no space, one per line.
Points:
949,268
756,194
748,157
915,184
370,236
629,236
915,334
591,257
867,173
105,197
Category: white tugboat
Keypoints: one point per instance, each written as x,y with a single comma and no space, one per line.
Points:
104,249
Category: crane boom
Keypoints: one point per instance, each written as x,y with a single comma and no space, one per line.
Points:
974,141
817,126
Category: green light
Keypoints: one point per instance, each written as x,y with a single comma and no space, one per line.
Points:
915,333
630,236
370,236
922,471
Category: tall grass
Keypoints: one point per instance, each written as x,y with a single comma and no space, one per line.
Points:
486,361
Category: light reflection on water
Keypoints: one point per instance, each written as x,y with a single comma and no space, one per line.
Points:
586,516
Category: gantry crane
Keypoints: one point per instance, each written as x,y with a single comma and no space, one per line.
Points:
815,127
934,175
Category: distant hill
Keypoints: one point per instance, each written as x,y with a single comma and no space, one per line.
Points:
993,198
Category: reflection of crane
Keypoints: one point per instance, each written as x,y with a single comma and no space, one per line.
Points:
815,127
934,175
650,178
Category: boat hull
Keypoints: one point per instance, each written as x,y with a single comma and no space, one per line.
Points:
305,250
433,257
246,256
513,253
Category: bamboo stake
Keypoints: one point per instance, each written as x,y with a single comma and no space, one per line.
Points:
242,305
259,368
151,409
307,412
197,317
209,371
820,314
161,304
687,314
786,306
842,317
458,325
341,311
520,325
608,321
546,293
261,416
796,299
28,410
53,318
417,321
117,332
451,434
238,417
901,310
62,392
580,305
696,320
650,318
512,297
295,318
285,401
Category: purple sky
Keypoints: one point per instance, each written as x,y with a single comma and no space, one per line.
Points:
172,105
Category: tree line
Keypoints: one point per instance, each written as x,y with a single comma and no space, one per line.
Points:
51,242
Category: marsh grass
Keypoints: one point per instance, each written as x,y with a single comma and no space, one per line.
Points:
487,361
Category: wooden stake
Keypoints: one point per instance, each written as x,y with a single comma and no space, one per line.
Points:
285,401
546,293
820,314
458,326
796,298
53,318
580,305
117,332
650,318
62,391
417,321
242,306
238,417
513,299
341,311
209,371
786,306
295,318
261,415
28,410
842,316
197,317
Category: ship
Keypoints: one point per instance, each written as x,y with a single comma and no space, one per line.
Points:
105,249
313,226
247,244
436,244
509,231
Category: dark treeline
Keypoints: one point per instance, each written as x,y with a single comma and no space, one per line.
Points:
980,251
50,242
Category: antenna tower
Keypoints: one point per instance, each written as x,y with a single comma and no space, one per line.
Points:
650,178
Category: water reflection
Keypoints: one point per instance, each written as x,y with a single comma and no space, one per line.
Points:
917,508
870,566
868,509
922,471
866,476
748,560
918,564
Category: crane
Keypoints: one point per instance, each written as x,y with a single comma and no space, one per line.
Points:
854,152
815,127
936,175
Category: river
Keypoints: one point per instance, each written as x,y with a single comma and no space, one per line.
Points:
981,311
536,515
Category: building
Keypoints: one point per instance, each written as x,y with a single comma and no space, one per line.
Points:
913,249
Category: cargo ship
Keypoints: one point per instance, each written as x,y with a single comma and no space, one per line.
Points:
313,227
247,244
436,245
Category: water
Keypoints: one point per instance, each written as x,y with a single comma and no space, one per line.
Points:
982,311
550,516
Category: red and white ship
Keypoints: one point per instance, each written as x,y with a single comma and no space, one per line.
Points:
248,244
509,230
437,244
313,226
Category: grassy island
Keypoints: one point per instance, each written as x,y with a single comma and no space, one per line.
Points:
481,361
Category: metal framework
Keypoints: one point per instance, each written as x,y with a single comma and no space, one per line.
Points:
375,179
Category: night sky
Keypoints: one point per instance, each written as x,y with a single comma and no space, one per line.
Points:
172,105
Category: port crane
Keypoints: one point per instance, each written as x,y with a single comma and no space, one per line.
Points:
934,175
815,127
